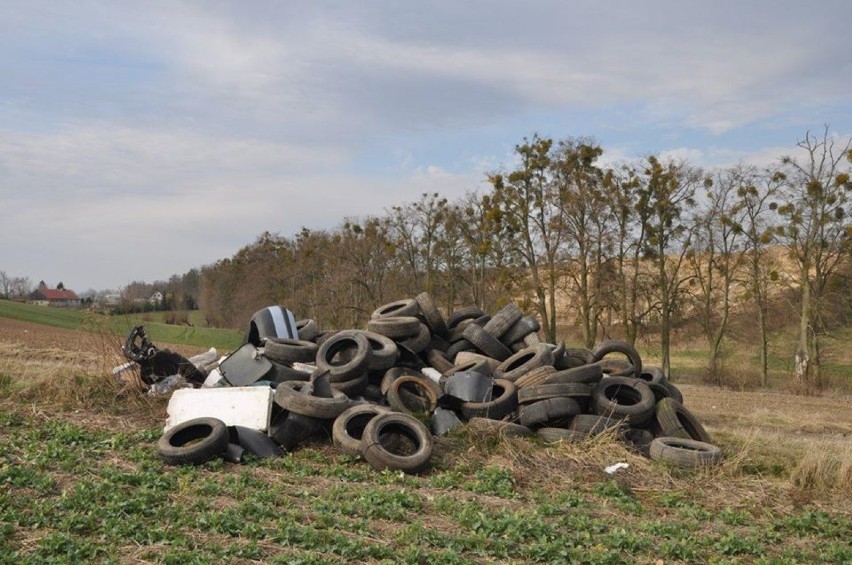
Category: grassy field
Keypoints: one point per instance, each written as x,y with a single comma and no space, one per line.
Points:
740,359
80,481
73,319
95,491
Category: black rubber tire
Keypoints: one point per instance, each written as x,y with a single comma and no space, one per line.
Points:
616,367
457,333
290,350
385,350
486,342
675,392
592,424
348,428
535,377
289,396
619,346
532,394
439,343
504,403
280,373
431,313
652,375
587,374
394,373
464,313
437,361
624,397
404,307
324,335
395,327
501,427
373,394
427,394
660,391
504,319
380,457
419,342
550,411
520,329
457,347
176,446
307,329
467,356
355,366
684,452
523,362
672,419
574,357
559,435
289,429
352,388
480,367
639,440
531,340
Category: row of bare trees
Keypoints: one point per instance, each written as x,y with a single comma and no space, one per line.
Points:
604,251
14,287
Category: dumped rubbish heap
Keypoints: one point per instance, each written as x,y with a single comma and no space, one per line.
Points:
383,392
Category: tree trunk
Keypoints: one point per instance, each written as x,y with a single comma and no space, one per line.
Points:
713,362
764,344
665,341
816,362
802,357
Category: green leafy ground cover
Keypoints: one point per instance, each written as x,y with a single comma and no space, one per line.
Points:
72,492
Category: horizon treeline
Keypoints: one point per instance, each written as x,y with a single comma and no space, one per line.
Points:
611,251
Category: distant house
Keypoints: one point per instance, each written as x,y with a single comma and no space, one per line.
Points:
156,298
109,299
52,297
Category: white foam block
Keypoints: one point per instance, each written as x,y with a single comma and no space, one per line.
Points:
249,406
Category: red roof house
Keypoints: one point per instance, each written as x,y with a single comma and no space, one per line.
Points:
54,297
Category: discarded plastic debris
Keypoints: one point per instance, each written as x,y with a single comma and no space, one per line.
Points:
156,364
250,407
167,385
612,469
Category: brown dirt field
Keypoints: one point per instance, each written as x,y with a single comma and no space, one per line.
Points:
38,336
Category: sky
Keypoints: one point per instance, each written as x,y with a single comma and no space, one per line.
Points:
142,139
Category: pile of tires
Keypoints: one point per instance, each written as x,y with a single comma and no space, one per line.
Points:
382,392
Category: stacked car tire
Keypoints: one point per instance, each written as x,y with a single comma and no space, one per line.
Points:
377,392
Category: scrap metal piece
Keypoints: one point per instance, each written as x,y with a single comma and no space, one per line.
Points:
469,386
443,421
245,366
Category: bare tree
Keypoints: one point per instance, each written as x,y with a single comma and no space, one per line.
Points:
583,218
415,229
817,229
524,203
5,285
715,257
666,194
630,221
755,197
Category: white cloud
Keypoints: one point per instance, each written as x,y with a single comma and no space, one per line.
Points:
682,154
187,129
